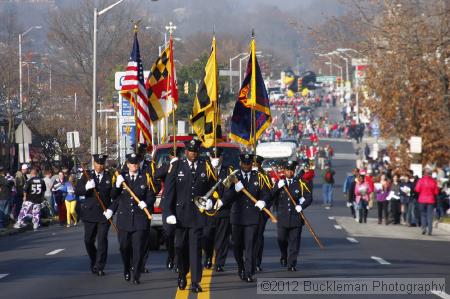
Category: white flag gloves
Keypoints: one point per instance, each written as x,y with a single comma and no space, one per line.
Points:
302,200
238,186
119,181
90,184
298,208
209,204
142,205
215,162
260,204
108,214
171,219
281,184
218,204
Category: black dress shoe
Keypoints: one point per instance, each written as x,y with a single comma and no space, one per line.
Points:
219,269
196,288
127,276
145,270
169,264
101,273
258,268
182,282
292,269
242,275
249,278
94,270
283,262
208,263
136,281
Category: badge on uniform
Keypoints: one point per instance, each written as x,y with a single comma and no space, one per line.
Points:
142,186
256,183
107,182
180,173
296,191
203,175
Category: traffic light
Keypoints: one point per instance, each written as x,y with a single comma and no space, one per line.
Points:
186,87
299,84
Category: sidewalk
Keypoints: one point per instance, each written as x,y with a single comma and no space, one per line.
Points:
374,230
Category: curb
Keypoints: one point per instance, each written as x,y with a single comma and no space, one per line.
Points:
444,226
14,231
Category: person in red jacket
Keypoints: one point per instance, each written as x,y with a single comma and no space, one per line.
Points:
427,189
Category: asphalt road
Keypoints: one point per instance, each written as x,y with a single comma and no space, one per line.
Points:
52,263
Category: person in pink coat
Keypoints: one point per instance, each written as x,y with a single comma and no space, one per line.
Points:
427,189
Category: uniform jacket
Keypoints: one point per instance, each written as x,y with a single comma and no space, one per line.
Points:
129,216
286,214
243,210
225,209
181,187
91,210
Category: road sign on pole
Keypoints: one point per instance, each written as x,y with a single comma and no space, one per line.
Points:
23,133
415,144
73,139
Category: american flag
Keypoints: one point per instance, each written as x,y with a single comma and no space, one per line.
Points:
133,87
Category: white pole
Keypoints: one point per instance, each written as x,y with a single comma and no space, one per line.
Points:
94,87
231,78
20,73
75,96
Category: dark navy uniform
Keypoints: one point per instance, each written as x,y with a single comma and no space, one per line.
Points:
259,246
290,223
96,226
244,219
132,222
216,234
184,181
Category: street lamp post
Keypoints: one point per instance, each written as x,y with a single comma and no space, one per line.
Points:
329,56
231,76
346,63
20,85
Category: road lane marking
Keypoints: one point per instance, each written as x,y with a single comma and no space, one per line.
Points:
337,226
206,281
441,294
3,275
330,217
184,294
352,240
380,260
54,252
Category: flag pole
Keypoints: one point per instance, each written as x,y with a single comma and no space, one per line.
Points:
136,134
216,102
253,91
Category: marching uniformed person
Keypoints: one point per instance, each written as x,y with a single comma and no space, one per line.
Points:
168,229
263,179
188,178
244,215
216,234
95,224
132,223
290,223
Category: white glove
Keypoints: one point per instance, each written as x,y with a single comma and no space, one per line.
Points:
302,200
209,204
108,214
260,204
238,186
218,204
142,205
119,181
298,208
215,162
349,204
171,219
173,160
281,184
90,184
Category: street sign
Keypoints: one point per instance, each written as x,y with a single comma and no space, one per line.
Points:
228,73
24,149
73,139
181,127
359,61
321,79
23,134
417,169
415,144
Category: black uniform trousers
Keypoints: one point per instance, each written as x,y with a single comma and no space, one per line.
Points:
259,246
132,246
169,239
216,236
99,231
189,252
289,242
244,237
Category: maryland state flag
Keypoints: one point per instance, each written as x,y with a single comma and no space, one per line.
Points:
205,118
251,114
161,85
